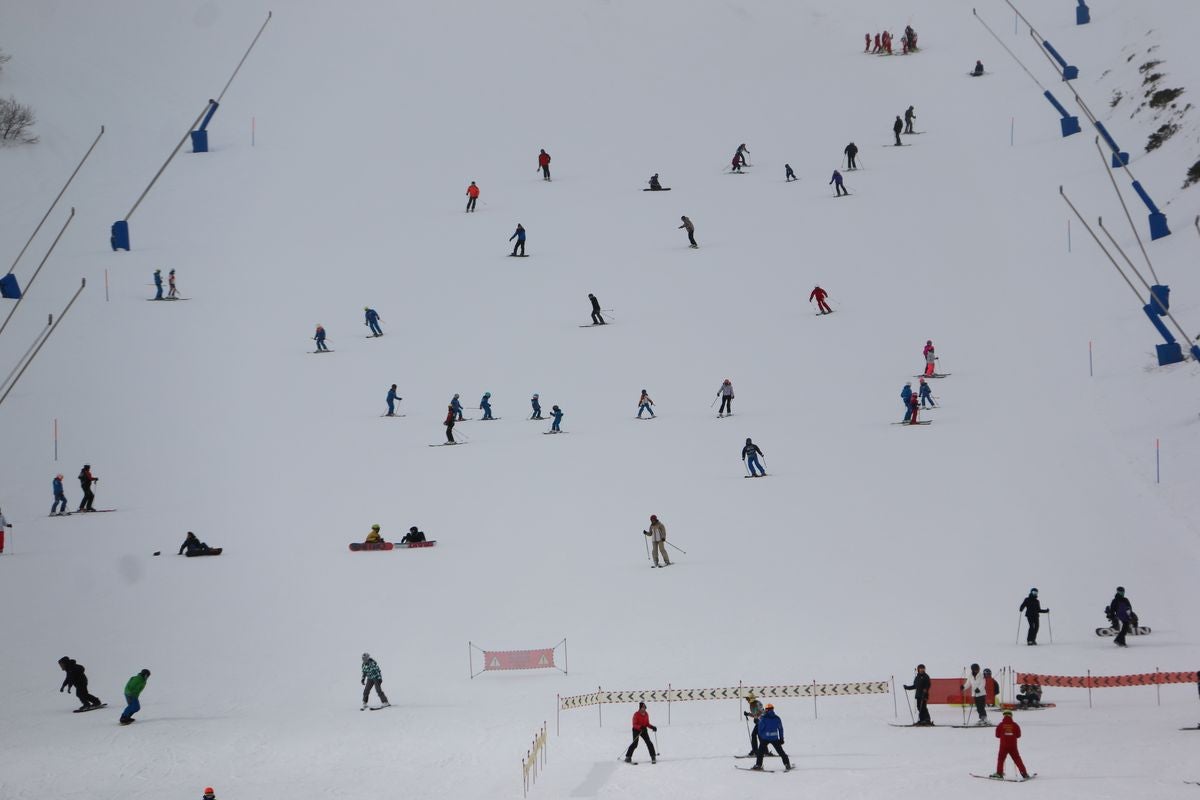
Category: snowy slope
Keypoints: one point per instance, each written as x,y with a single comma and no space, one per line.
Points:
871,546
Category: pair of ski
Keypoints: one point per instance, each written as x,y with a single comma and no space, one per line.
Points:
93,511
763,769
374,708
1032,775
934,375
918,422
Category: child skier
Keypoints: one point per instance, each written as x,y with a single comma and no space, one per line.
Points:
319,338
644,404
458,409
926,395
557,414
171,284
485,405
392,399
59,507
537,407
930,358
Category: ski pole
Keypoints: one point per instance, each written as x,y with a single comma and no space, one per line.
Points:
910,714
714,402
746,464
646,540
1049,627
680,549
1018,641
659,752
860,161
843,162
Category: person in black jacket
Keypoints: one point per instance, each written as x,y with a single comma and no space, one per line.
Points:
920,689
193,545
77,679
1032,608
597,317
413,536
851,152
897,126
1120,614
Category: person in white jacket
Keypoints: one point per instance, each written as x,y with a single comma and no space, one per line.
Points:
975,685
658,537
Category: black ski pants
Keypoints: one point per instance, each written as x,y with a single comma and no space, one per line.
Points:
762,753
597,319
1034,624
645,737
545,172
1123,630
450,432
981,707
726,406
83,695
520,245
692,238
850,162
923,709
754,743
471,203
377,685
897,136
88,497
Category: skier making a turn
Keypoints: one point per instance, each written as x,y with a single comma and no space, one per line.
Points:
750,454
819,295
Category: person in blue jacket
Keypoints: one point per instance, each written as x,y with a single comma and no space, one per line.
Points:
392,398
372,321
519,235
485,405
60,497
770,732
319,338
537,407
457,408
838,187
926,395
906,395
557,413
158,284
750,454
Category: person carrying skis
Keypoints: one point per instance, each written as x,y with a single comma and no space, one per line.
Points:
905,396
920,688
86,479
485,405
319,338
644,404
691,232
851,152
655,186
372,321
1008,732
171,284
557,414
133,691
975,686
519,235
194,546
472,196
726,395
76,679
755,713
1032,608
59,507
641,721
392,399
658,540
750,454
372,678
158,295
838,188
788,174
897,126
458,409
1120,614
597,317
537,407
544,164
449,423
909,116
975,73
413,536
926,395
930,358
770,734
374,537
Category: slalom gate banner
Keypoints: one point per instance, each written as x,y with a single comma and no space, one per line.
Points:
1108,681
725,693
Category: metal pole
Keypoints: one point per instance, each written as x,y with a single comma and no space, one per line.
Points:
895,705
470,661
1153,297
248,49
1091,374
1132,288
33,277
174,152
1018,639
1089,683
1158,685
13,385
1125,208
1050,627
1010,52
37,339
814,698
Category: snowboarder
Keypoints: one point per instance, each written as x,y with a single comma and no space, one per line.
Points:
194,546
413,536
920,689
319,338
519,235
76,679
392,399
171,284
1032,608
726,395
644,404
544,164
750,454
926,395
133,691
472,196
59,506
372,678
658,540
458,409
485,405
1120,615
158,295
930,358
537,407
449,423
851,152
975,685
641,721
788,174
597,317
1008,732
655,186
741,153
1030,696
905,396
909,116
838,188
975,73
85,482
372,321
691,232
755,713
770,733
897,126
819,295
374,537
557,414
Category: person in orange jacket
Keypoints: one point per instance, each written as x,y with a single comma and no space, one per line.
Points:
641,721
472,196
819,295
1008,732
544,164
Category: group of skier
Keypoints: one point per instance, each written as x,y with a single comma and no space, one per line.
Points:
883,42
86,480
172,293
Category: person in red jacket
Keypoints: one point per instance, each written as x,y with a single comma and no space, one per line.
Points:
819,295
641,721
1008,731
867,49
472,196
544,164
451,414
878,46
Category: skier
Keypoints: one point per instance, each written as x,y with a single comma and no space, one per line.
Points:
655,186
76,679
374,537
193,545
819,295
641,721
485,405
158,295
319,338
726,395
920,689
770,732
755,713
413,536
557,413
1008,731
133,690
392,399
897,126
644,404
909,116
597,317
788,174
209,794
537,407
851,152
910,36
926,395
544,164
838,188
1032,608
914,407
372,677
975,73
930,358
449,423
171,284
742,152
992,685
905,396
867,47
458,409
372,321
658,540
1120,614
472,196
60,497
85,482
887,42
736,164
3,526
1030,696
878,44
976,686
750,454
691,231
519,235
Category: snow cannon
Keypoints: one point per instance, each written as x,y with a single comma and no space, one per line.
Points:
1083,14
1119,159
120,236
1158,220
9,288
1160,303
1070,124
1069,73
200,134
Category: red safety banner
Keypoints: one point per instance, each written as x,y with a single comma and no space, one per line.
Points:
1108,681
948,691
518,659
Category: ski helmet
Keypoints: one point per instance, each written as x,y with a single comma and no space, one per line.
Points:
1033,592
535,394
209,793
987,671
1120,590
920,666
366,656
413,529
145,673
487,394
1007,714
974,668
929,341
654,518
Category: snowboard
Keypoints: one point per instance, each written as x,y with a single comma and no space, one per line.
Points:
90,708
357,546
514,255
411,545
391,415
212,551
1140,630
318,352
918,422
446,444
664,189
1006,780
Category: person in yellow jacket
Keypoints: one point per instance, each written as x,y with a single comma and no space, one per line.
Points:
373,537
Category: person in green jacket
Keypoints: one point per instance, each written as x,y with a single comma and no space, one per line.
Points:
372,678
133,689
